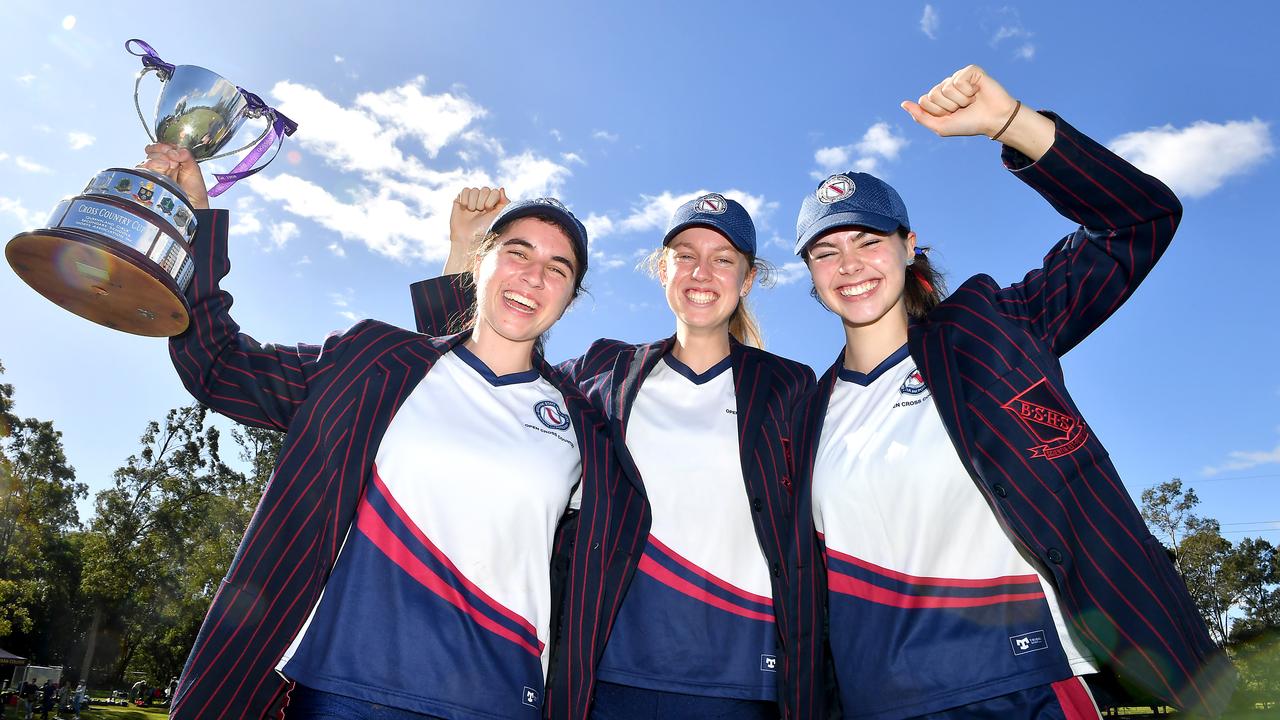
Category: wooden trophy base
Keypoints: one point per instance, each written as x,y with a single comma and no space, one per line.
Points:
99,280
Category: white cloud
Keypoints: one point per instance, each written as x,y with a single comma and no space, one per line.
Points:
1197,159
396,190
527,175
4,156
350,316
282,233
1011,28
598,226
69,22
1244,460
435,120
339,59
832,157
556,134
605,135
1007,32
654,211
880,140
246,222
26,218
337,249
374,217
572,158
789,273
342,299
25,79
79,140
929,22
30,166
878,143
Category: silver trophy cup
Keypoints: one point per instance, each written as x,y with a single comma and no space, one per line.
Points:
119,253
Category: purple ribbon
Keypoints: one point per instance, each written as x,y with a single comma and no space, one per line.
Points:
281,126
149,57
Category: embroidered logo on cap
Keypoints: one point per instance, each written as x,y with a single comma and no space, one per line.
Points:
552,202
713,204
835,189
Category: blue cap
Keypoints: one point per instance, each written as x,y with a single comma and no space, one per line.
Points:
850,199
718,213
547,207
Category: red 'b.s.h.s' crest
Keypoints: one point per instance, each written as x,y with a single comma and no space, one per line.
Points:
1045,417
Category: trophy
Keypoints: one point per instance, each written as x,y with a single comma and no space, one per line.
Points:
119,253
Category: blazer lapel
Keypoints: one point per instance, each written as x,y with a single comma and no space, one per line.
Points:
629,371
752,381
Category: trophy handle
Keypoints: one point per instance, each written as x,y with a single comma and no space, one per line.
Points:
137,82
271,117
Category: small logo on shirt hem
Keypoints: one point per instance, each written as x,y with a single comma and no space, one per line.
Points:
769,663
1028,642
529,697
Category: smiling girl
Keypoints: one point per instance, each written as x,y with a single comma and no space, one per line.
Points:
693,622
399,564
981,552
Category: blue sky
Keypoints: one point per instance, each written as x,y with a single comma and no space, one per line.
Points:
624,111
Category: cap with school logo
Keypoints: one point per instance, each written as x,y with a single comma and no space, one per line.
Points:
719,213
547,207
850,199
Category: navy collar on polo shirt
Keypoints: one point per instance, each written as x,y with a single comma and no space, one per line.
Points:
490,376
698,378
865,379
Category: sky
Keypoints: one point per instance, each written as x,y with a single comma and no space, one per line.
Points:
625,110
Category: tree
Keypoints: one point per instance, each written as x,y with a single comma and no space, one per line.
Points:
1204,556
1200,552
164,504
1255,569
38,517
1167,509
164,536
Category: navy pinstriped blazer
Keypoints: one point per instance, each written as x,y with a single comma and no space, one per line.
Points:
610,373
335,401
989,356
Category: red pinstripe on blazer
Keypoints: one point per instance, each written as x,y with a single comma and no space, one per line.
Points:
335,401
989,355
767,389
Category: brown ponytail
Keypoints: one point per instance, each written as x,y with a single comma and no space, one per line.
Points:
925,286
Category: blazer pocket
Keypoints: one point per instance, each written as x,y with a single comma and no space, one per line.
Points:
1024,422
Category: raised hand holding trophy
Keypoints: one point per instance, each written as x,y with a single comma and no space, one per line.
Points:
119,253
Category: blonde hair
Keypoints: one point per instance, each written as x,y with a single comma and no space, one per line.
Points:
743,325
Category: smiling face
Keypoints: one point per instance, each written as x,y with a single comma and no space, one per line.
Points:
704,277
860,274
525,281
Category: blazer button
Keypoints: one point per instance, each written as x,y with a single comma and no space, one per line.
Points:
777,569
998,489
757,505
595,546
1055,556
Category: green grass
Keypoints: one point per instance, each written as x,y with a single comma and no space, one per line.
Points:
102,712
